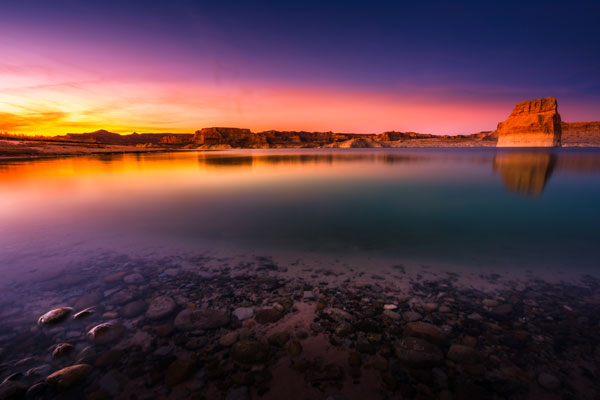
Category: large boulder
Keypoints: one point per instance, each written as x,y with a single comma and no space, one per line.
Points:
533,123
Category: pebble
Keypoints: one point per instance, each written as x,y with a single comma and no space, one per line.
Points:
268,316
411,316
198,319
418,353
55,316
67,377
390,307
105,333
249,351
463,354
62,350
178,371
243,313
425,331
161,307
229,339
133,309
134,278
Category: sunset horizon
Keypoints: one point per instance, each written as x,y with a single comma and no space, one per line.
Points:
299,200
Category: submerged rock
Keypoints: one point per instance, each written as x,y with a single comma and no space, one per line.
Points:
67,377
161,307
106,333
55,316
268,315
418,353
425,331
179,371
463,354
250,352
195,319
133,309
243,313
63,349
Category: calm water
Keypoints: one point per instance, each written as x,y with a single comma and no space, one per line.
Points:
479,208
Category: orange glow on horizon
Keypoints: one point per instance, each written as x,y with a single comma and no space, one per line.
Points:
41,107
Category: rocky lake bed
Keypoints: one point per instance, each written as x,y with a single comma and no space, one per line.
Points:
256,328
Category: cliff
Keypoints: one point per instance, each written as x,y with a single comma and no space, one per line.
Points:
532,123
581,134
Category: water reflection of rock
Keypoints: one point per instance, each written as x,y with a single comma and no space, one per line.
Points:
525,173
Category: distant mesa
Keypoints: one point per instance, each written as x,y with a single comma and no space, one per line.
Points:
532,123
525,173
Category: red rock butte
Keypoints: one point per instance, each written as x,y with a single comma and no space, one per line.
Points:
532,123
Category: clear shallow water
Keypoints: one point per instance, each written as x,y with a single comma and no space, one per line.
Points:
478,207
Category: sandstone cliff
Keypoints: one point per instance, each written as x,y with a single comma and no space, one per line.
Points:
581,134
533,123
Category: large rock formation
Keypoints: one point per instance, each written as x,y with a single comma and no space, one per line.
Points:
581,134
533,123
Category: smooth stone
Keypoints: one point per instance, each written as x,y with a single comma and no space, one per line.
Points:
117,276
390,307
105,333
161,307
86,355
87,312
309,295
198,319
475,317
10,390
108,358
430,307
249,352
42,370
444,309
55,316
463,354
268,316
338,314
178,371
133,278
418,353
279,339
67,377
89,299
133,309
35,391
121,297
548,381
344,329
489,302
243,313
411,316
393,315
425,331
63,349
229,339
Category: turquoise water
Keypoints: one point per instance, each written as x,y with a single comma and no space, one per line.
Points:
473,207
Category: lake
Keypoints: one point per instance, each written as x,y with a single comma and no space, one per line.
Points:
408,227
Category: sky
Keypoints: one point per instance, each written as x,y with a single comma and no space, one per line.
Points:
345,66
